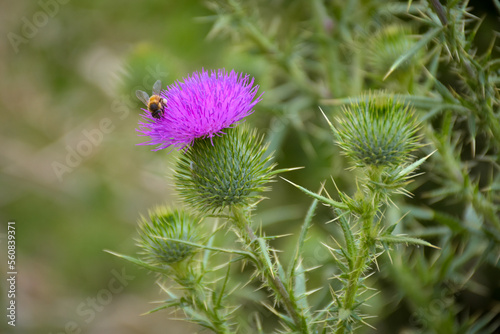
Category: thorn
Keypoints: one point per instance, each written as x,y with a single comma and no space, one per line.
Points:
376,264
327,120
390,257
335,184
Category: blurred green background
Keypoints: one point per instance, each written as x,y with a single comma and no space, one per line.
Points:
72,177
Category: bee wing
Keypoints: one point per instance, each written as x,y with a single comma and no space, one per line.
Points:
157,87
143,96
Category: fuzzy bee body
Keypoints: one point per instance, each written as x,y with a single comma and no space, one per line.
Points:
155,103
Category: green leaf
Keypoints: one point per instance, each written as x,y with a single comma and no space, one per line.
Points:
440,217
279,268
391,228
223,288
265,253
162,307
216,249
348,236
302,236
419,45
406,171
139,262
320,198
445,92
206,253
299,289
402,239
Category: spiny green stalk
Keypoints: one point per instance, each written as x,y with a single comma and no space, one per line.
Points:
358,267
273,279
370,201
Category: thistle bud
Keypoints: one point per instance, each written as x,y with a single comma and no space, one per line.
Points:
219,172
377,131
162,224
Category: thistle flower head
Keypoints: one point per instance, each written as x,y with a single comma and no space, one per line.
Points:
377,131
199,107
166,223
231,171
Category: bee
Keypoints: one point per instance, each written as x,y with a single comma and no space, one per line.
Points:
155,103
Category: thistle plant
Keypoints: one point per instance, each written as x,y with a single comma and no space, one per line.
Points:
224,176
415,216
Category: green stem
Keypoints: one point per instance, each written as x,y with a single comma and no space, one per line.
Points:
354,276
353,280
371,201
272,277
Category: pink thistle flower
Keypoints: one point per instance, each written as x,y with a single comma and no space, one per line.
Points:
200,107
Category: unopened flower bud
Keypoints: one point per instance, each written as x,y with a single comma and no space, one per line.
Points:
163,224
377,131
219,172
